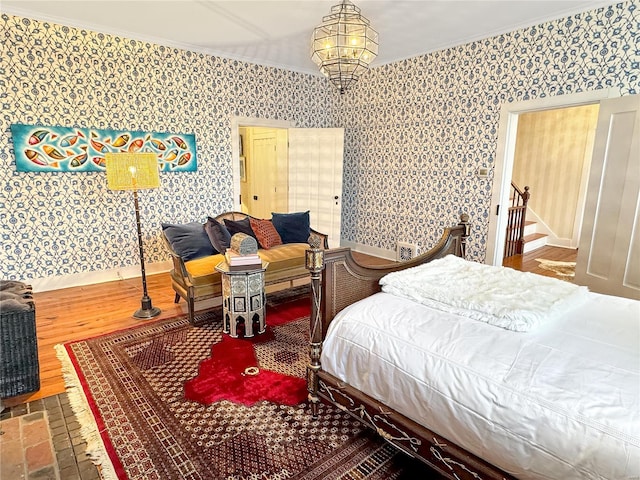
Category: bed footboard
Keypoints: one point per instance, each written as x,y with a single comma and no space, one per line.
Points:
441,455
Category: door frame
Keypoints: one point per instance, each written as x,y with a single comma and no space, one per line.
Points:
505,156
236,123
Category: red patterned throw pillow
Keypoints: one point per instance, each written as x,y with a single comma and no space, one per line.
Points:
265,233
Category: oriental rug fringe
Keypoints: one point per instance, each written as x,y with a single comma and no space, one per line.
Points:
127,390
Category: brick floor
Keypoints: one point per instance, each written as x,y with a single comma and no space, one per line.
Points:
41,440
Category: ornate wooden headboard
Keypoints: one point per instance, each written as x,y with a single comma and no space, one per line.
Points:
344,281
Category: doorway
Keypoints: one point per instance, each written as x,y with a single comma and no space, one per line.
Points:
264,175
505,158
553,150
239,148
609,258
305,173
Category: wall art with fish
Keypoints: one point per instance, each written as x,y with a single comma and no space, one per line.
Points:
67,149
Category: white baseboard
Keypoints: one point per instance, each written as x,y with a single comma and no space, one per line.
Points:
90,278
562,243
375,251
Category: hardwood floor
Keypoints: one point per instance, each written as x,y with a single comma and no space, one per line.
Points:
528,263
82,312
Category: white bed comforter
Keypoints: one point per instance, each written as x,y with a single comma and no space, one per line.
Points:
559,402
485,292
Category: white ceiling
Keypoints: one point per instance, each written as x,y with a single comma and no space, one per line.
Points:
278,32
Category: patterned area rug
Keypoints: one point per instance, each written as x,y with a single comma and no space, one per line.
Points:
127,389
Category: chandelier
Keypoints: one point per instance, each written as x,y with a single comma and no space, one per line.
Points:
344,45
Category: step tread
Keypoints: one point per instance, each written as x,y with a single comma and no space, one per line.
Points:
534,236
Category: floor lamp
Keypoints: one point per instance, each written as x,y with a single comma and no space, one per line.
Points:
135,171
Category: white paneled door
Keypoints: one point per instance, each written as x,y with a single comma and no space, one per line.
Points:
315,177
263,169
609,252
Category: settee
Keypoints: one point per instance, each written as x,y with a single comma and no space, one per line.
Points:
197,248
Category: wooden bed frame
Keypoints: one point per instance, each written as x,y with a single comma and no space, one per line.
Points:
337,281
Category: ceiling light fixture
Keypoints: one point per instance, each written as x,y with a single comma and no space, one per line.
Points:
344,45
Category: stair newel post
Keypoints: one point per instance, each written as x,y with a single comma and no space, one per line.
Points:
525,199
464,222
314,262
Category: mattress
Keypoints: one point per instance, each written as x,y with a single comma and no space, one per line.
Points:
559,402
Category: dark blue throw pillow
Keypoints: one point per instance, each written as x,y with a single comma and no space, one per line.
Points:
188,240
241,226
218,234
292,227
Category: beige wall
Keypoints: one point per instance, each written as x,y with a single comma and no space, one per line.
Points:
553,151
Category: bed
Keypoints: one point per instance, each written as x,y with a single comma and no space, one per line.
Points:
558,397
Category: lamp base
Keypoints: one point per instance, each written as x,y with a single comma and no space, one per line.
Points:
147,310
145,313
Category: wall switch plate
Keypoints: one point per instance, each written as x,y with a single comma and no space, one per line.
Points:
483,172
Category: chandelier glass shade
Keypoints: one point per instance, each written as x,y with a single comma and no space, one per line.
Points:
344,45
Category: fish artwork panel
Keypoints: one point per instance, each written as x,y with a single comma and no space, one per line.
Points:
39,148
79,160
70,140
37,136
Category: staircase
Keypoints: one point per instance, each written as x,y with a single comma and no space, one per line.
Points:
532,239
522,235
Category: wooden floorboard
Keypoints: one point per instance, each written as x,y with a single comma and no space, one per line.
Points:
528,263
82,312
87,311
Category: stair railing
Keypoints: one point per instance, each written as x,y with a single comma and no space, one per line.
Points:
514,244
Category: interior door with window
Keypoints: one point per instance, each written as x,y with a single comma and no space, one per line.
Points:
315,177
609,250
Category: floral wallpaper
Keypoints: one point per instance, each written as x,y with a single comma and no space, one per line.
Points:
56,224
416,131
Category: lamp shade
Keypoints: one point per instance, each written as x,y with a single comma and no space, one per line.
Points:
132,171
